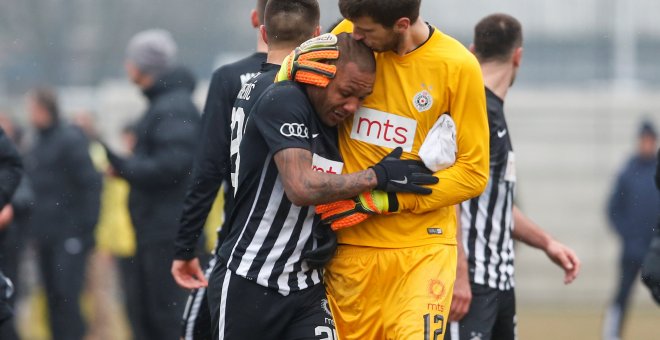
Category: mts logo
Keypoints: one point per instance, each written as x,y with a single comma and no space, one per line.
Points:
325,165
383,129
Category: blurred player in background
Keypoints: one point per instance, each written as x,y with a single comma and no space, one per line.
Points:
392,276
210,171
633,210
483,306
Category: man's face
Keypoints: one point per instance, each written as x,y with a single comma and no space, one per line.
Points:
378,37
343,96
647,146
40,118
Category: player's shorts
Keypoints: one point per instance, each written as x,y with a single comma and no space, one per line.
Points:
247,310
196,323
492,316
404,293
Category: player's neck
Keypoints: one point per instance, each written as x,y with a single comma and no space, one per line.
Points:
262,47
417,35
497,77
276,54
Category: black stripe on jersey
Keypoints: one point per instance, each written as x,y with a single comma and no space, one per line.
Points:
268,174
273,233
472,237
506,208
290,247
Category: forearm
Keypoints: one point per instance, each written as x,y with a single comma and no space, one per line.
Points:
527,231
462,263
305,186
196,207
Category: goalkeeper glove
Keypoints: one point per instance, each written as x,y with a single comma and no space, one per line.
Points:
326,245
303,64
347,213
403,175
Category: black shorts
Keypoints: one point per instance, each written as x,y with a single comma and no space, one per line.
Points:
196,323
492,316
242,309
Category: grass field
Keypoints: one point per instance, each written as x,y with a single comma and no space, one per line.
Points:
581,323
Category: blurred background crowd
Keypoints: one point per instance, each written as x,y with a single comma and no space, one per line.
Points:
583,112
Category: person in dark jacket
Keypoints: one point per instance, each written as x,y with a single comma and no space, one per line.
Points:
12,236
66,206
158,173
633,211
651,264
11,170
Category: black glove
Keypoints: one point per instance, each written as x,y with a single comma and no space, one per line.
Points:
398,175
326,244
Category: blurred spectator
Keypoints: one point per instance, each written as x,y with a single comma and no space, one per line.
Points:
66,205
114,237
11,170
157,173
633,211
651,264
12,238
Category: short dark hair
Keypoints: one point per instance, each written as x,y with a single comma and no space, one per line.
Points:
354,51
384,12
46,98
261,9
496,37
291,21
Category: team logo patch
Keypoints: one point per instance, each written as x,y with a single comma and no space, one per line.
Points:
436,289
423,101
325,306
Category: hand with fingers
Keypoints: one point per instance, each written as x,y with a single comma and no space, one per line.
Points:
460,302
393,175
565,258
403,175
188,274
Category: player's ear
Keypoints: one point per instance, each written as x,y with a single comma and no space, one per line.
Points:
264,36
317,31
517,56
254,19
472,48
402,24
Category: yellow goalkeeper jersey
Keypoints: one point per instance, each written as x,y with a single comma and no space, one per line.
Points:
410,93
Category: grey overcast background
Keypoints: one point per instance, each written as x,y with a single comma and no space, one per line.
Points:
81,42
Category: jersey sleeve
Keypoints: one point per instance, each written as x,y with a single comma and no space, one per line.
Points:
468,176
282,118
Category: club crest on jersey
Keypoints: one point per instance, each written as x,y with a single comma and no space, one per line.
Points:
423,101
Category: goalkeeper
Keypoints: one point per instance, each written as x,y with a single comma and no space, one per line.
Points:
392,275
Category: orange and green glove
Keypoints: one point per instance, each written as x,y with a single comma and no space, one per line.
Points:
304,64
347,213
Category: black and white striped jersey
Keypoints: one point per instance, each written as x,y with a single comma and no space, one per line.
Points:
268,233
487,220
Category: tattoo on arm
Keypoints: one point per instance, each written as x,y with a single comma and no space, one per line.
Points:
305,186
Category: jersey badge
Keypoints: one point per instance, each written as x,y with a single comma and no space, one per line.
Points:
423,101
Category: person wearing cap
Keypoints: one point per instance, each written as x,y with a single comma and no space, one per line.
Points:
633,209
158,173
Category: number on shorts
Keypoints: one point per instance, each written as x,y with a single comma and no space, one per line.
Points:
437,320
326,331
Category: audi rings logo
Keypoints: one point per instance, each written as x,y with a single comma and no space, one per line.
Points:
294,130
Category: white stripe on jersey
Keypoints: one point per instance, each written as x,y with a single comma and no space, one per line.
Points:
496,232
499,275
480,249
262,231
223,305
254,204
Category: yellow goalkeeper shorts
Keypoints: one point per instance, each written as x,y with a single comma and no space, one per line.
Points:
403,293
